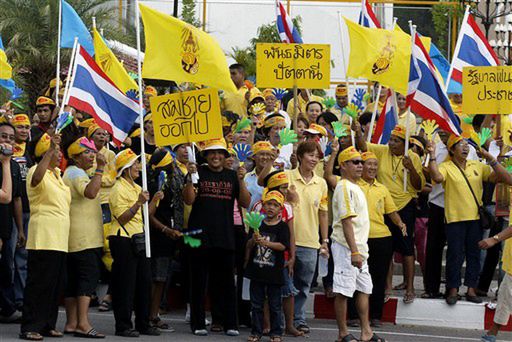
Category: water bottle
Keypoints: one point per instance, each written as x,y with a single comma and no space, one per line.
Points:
322,265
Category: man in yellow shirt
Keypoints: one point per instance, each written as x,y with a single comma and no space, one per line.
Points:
341,95
237,102
303,98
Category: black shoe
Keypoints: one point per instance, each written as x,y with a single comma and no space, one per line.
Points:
375,323
151,331
452,300
128,333
474,299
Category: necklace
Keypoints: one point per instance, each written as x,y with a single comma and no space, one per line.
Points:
395,168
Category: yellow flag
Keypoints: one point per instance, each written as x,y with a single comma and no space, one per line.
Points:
379,55
426,41
177,51
109,63
5,68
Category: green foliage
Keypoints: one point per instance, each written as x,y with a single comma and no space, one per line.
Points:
441,13
266,33
188,13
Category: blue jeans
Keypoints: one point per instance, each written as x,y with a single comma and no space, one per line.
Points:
260,291
462,240
305,264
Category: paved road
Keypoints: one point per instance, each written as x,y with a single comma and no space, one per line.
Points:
322,330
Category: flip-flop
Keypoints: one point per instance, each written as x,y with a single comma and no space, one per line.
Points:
53,334
31,336
90,334
375,338
347,338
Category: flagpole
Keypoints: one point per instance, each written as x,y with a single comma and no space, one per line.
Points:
65,98
456,51
374,114
407,131
142,148
57,77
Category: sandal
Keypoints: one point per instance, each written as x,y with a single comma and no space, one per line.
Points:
348,338
387,297
216,328
53,333
105,306
375,338
253,338
90,334
400,287
409,297
276,339
158,323
31,336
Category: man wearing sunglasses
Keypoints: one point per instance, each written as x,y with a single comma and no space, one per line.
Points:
350,230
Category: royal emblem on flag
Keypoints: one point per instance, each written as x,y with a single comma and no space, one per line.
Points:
385,58
189,60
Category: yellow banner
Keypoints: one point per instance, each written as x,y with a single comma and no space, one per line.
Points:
282,65
487,90
190,116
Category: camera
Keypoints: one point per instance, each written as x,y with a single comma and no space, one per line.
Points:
6,151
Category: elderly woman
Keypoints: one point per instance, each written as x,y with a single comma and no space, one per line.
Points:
131,272
47,242
85,235
463,180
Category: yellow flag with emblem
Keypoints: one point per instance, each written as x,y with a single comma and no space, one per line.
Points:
5,68
177,51
379,55
111,66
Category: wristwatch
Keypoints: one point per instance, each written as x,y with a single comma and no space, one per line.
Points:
496,237
325,241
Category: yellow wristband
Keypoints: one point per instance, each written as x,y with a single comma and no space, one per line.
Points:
355,253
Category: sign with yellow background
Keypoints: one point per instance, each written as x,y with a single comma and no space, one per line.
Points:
185,117
487,90
283,65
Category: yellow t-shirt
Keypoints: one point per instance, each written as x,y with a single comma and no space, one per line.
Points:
349,201
391,174
122,197
236,102
290,108
380,203
312,198
48,228
186,208
109,174
507,252
459,202
371,106
86,229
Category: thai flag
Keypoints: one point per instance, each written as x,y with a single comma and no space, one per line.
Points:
429,100
388,119
367,17
472,49
287,32
92,92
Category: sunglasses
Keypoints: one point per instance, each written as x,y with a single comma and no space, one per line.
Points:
356,162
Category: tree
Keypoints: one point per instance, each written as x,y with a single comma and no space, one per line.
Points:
29,31
188,13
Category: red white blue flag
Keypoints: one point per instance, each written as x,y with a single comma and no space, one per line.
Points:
367,17
287,32
388,119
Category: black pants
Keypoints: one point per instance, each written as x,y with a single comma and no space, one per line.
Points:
492,259
436,240
259,292
404,244
243,306
328,279
45,278
381,252
213,267
131,285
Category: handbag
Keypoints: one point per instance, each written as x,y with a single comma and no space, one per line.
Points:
138,241
487,220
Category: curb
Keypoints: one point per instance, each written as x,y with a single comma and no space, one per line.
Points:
423,312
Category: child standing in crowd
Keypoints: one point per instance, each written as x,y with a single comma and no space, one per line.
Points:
265,267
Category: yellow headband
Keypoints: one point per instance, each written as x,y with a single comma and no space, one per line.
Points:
80,145
150,91
20,120
274,121
416,142
44,101
277,179
348,154
86,123
399,131
135,133
166,160
274,195
452,140
368,155
42,145
341,90
268,92
261,146
92,128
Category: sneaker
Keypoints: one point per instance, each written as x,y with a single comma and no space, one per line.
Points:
232,332
201,332
15,317
488,338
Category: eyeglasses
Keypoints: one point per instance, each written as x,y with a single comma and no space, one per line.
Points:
6,136
356,162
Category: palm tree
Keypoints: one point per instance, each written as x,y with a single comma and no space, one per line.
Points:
29,31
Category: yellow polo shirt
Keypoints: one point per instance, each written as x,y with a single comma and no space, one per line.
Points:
349,201
236,102
122,197
371,106
380,203
48,227
312,198
391,174
86,229
290,108
109,174
459,202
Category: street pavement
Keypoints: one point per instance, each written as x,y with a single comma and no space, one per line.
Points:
321,330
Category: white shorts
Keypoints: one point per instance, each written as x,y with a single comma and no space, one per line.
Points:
347,278
504,308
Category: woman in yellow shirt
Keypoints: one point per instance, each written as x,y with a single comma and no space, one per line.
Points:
85,235
463,230
131,271
47,242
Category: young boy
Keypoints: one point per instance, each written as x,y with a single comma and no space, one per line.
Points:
265,266
504,308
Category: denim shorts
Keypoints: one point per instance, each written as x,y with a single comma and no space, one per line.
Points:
288,289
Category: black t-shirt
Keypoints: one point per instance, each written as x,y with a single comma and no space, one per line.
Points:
135,146
265,264
25,163
6,210
212,210
161,245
